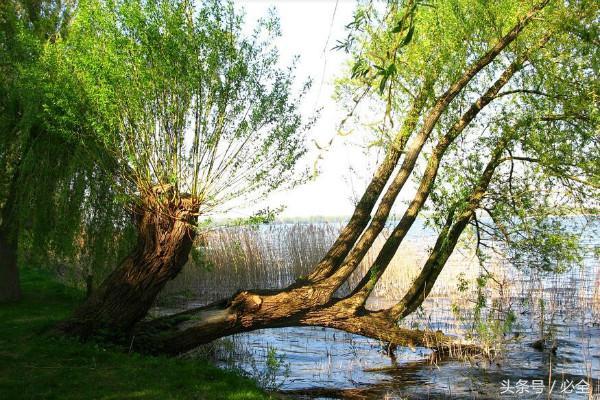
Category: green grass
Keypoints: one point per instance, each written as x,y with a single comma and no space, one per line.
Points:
37,366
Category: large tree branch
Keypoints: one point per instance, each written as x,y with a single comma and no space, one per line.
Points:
447,240
248,311
362,213
367,284
361,216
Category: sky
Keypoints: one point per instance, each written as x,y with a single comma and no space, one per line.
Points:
310,30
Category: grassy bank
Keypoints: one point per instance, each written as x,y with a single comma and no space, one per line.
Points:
34,366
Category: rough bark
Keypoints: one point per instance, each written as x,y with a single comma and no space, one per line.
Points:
165,236
10,289
249,311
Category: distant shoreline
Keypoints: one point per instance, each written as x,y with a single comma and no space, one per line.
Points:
343,218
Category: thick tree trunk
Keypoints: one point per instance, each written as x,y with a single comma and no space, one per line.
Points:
10,285
248,311
165,237
10,289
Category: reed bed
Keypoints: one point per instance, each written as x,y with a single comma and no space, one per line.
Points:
274,256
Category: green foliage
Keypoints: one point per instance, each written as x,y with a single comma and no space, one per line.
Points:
199,258
261,217
547,109
397,46
546,112
33,365
275,366
176,94
55,197
547,244
487,324
103,100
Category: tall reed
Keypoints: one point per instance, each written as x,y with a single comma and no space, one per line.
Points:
273,256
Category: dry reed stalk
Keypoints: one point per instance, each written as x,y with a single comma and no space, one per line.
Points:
274,256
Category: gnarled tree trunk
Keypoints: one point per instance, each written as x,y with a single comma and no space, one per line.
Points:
248,311
10,286
166,233
10,289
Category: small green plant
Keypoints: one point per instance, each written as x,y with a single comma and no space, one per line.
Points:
275,372
488,324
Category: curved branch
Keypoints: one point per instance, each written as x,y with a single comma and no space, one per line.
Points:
248,311
447,240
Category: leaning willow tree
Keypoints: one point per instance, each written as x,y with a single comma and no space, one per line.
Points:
489,106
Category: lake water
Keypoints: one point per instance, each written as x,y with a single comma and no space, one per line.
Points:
324,363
